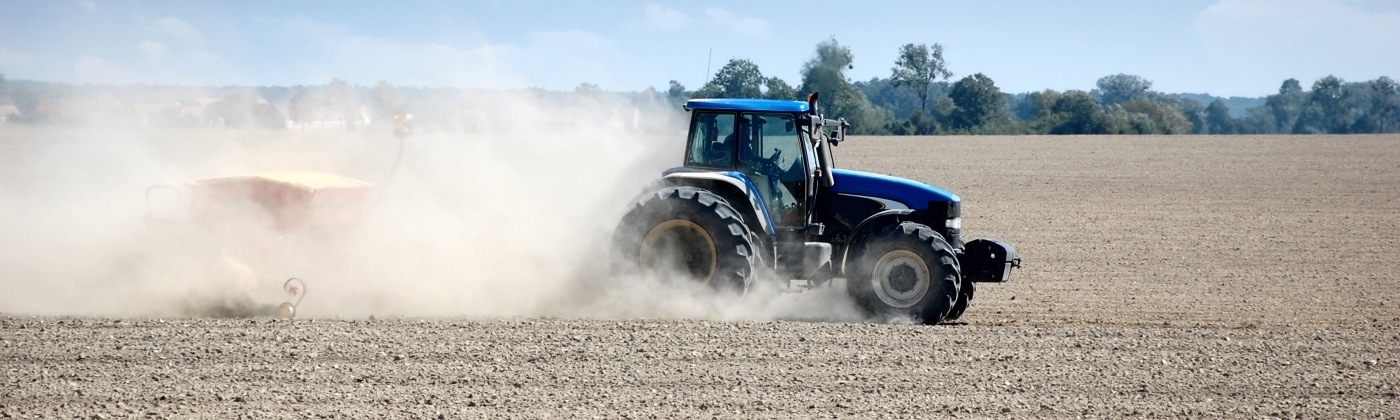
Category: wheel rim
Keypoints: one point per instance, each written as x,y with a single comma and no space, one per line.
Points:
680,246
901,278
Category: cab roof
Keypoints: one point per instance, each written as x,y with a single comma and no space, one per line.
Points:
759,105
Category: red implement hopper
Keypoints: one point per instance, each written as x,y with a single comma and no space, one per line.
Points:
253,218
286,202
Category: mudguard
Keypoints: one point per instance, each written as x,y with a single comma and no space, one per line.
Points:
731,185
865,227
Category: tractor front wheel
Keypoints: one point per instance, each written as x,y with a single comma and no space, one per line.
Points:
965,293
905,270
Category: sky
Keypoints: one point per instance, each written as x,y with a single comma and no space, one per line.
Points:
1220,47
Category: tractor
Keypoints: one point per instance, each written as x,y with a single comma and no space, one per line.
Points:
758,196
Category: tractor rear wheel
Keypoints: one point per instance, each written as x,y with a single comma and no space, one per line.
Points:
687,232
905,270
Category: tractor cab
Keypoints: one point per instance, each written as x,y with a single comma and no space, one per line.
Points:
771,143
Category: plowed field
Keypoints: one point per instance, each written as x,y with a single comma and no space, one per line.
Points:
1243,276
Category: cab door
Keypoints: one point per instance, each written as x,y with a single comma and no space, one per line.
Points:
774,158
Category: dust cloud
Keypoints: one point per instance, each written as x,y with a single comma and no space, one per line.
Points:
513,220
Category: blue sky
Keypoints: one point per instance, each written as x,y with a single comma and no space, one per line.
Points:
1221,47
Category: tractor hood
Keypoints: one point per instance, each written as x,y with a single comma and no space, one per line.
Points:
916,195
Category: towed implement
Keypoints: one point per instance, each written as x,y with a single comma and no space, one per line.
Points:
263,222
253,219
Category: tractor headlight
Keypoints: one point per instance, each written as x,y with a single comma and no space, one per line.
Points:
953,223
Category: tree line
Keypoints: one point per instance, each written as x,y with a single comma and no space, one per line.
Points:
337,104
920,97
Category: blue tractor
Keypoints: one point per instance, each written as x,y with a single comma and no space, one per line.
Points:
759,196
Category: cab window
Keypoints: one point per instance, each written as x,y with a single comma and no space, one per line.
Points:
711,141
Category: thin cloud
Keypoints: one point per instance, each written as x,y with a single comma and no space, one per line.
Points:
663,17
365,59
551,59
90,69
585,57
751,27
1310,38
12,59
154,51
175,51
174,29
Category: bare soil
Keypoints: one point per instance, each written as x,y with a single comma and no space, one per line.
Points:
1235,276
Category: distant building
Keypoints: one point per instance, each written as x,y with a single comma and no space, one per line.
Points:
6,111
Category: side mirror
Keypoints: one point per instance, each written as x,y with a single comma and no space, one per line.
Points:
838,134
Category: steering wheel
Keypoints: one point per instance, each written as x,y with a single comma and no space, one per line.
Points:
769,166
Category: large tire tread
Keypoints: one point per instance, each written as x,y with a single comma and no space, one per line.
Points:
944,277
734,244
966,291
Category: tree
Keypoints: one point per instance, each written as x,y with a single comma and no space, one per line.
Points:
26,99
4,87
1162,117
245,109
943,110
647,98
830,55
1218,118
978,101
825,73
1327,108
917,68
301,108
1077,112
1384,115
1039,105
588,90
740,78
1331,94
775,88
341,101
1257,120
676,93
1290,86
1120,88
1286,106
902,103
921,124
1195,113
386,100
